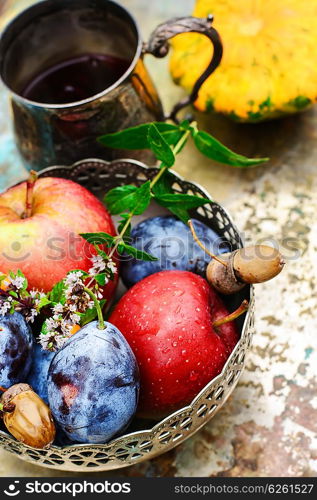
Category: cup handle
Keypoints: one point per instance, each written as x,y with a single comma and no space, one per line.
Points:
158,46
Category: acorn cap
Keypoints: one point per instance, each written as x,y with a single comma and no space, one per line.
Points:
222,277
13,391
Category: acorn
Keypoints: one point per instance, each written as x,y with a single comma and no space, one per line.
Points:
248,265
27,417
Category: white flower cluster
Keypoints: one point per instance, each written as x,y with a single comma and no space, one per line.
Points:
102,266
37,296
5,306
66,315
28,306
18,282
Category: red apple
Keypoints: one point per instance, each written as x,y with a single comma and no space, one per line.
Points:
46,245
167,320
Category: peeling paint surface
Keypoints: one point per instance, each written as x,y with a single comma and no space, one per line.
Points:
269,425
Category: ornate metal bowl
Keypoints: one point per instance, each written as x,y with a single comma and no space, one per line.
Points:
145,439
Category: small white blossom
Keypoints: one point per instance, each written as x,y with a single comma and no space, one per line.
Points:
44,340
75,318
60,341
31,315
73,279
99,265
4,308
58,309
64,325
51,324
91,304
112,266
18,282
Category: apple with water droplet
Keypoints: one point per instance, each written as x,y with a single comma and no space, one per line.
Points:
167,318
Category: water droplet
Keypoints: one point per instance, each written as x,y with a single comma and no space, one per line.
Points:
180,337
165,350
174,344
193,376
184,352
198,309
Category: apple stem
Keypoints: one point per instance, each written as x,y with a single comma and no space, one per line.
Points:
101,322
29,194
192,229
231,317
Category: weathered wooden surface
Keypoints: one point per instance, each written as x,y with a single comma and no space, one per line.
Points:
268,427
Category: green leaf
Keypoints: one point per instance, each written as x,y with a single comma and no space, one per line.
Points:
119,199
185,125
163,187
101,278
210,147
186,201
44,329
164,184
128,198
90,314
99,238
137,254
101,252
176,203
57,293
181,213
137,137
142,198
160,147
44,301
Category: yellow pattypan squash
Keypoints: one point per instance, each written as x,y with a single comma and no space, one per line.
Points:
269,66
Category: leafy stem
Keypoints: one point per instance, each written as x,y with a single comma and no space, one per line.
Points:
101,322
163,168
119,238
166,140
176,149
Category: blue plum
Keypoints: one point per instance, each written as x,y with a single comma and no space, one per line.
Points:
171,241
16,343
93,384
38,375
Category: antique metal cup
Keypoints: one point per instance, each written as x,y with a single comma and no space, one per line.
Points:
54,30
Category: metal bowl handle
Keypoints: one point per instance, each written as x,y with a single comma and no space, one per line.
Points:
158,46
